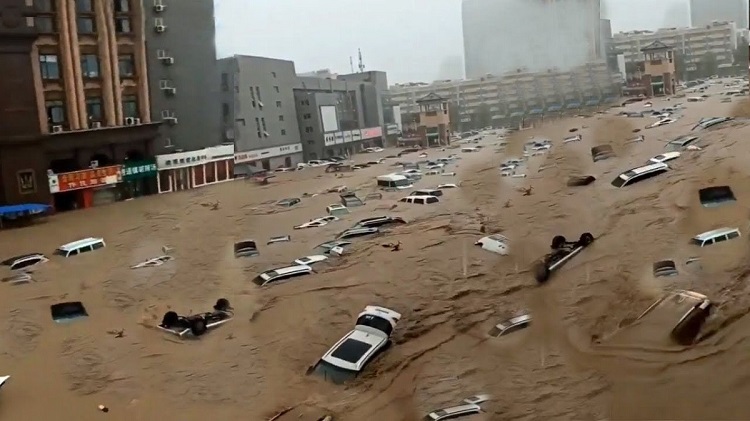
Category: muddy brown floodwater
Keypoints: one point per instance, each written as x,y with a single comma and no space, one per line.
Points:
449,291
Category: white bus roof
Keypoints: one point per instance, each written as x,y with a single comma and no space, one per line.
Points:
391,177
73,245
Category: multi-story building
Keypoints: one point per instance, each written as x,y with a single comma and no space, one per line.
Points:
258,112
339,116
515,96
502,36
658,76
704,12
717,40
74,108
182,72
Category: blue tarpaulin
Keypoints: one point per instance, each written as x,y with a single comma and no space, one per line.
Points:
15,211
554,107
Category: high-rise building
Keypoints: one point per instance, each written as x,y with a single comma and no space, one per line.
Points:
182,72
504,36
703,12
74,108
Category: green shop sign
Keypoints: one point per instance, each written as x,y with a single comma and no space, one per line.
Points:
134,170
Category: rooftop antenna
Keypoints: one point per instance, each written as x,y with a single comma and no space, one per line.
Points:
361,64
351,63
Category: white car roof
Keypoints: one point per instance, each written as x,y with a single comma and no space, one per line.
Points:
666,156
286,270
714,233
310,259
73,245
444,413
383,312
371,338
336,206
421,197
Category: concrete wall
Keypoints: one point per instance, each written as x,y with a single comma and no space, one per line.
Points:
274,110
190,39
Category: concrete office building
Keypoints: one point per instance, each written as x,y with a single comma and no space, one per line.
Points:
703,12
505,36
719,39
74,109
182,72
339,116
258,112
514,96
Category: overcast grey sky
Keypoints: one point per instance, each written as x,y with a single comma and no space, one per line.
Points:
409,39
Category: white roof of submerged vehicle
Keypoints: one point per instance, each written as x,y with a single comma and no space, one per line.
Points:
664,157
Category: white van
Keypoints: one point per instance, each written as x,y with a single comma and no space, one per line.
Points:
715,236
420,200
695,99
471,149
394,181
80,246
639,174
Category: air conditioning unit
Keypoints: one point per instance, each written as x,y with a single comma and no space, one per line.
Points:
169,90
129,121
171,120
94,164
136,121
96,125
160,54
266,134
160,28
57,129
167,60
159,7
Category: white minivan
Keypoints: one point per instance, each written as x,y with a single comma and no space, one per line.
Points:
420,200
715,236
80,246
394,181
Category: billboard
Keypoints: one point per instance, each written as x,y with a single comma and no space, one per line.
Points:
330,118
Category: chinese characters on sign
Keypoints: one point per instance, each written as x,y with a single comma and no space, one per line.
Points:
140,169
85,179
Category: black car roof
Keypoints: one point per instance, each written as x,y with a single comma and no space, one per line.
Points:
10,261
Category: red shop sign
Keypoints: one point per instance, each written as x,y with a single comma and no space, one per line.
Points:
85,179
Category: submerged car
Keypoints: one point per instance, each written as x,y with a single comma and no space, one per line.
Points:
197,324
349,356
602,152
511,325
692,308
562,251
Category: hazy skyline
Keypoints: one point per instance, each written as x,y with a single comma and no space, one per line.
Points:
405,38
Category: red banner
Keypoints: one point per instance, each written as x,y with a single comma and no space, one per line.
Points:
85,179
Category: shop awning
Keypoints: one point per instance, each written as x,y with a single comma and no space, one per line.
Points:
15,211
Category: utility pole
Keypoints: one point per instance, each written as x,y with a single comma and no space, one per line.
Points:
361,63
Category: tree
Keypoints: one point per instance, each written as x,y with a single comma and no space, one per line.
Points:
681,66
708,65
482,116
741,57
455,116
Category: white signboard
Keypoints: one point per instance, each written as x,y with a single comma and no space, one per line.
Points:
330,118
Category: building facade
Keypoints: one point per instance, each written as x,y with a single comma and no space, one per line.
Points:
182,72
197,168
258,112
716,42
503,36
704,12
658,77
514,96
74,109
339,116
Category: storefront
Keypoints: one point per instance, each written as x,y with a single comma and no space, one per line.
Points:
249,162
139,178
86,188
188,170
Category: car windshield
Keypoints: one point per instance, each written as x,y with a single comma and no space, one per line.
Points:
619,181
60,252
659,157
333,373
696,242
402,183
376,322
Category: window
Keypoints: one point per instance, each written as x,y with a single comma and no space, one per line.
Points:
122,25
278,104
130,106
24,263
273,74
308,129
257,94
55,112
252,95
263,123
45,24
351,350
225,111
44,6
122,5
225,82
90,66
281,118
257,126
94,109
84,6
733,234
126,64
86,26
283,132
49,66
276,89
307,116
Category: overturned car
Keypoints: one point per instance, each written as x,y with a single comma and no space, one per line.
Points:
562,251
197,324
